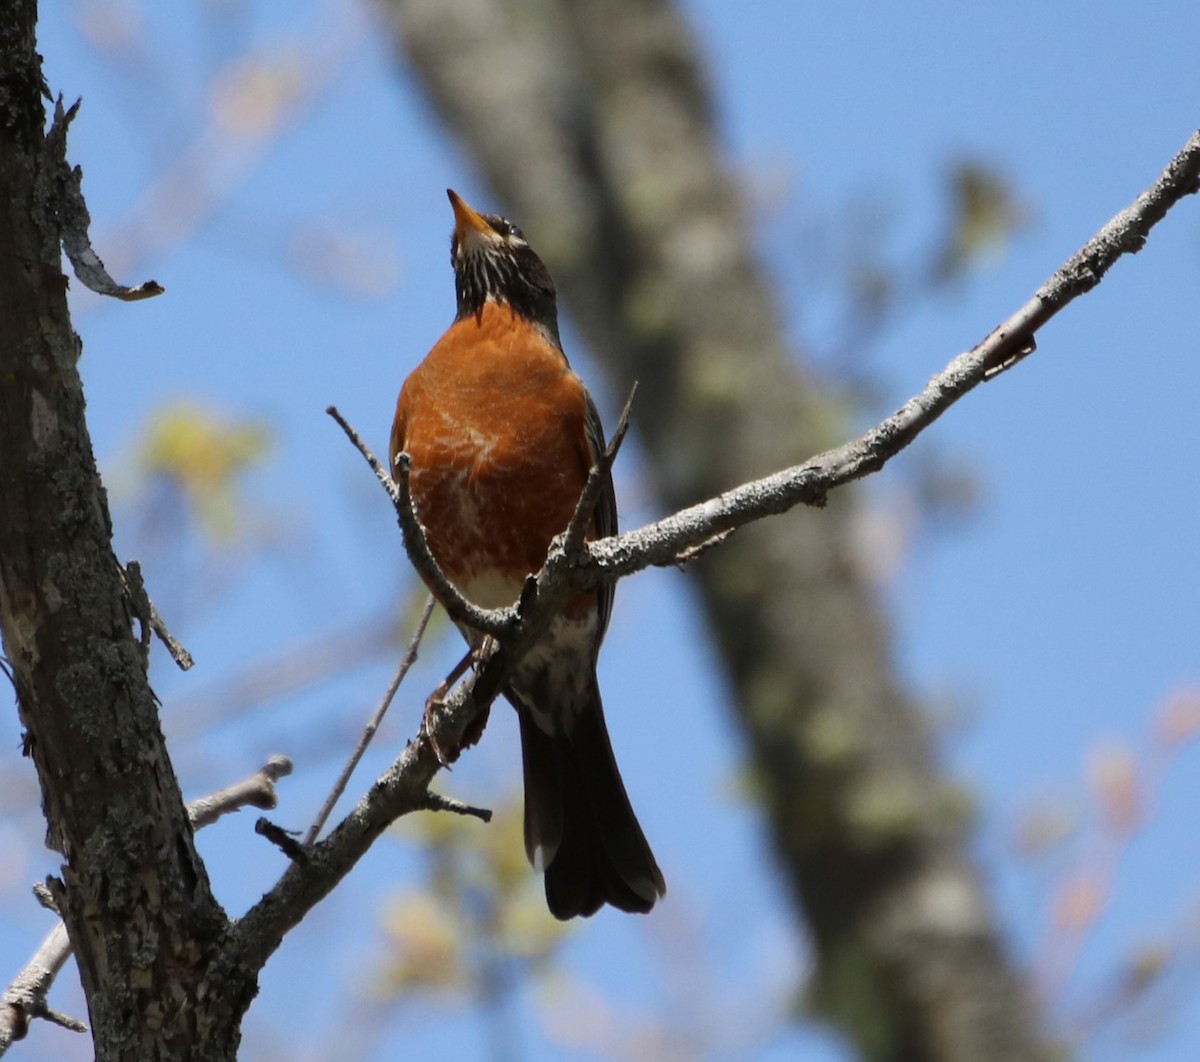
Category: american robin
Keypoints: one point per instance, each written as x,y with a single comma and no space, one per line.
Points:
501,435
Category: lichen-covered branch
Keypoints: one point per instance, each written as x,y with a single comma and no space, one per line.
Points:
662,543
26,998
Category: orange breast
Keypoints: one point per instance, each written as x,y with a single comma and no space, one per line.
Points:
494,421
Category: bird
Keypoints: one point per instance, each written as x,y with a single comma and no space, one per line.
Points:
500,435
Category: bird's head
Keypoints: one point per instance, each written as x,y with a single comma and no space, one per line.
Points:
492,260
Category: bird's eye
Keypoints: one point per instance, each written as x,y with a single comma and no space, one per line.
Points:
504,228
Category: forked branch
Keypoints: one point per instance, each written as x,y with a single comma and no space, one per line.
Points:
26,998
404,787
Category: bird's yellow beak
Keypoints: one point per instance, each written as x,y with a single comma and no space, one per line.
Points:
467,222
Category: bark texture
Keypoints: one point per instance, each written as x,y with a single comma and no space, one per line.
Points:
593,123
133,894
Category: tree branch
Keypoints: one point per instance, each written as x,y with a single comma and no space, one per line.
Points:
576,532
404,787
406,663
438,802
255,791
316,869
494,621
25,999
663,543
150,619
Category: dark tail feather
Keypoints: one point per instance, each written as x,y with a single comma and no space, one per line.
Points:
578,814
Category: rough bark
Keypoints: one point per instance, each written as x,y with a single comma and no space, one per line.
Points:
133,893
592,121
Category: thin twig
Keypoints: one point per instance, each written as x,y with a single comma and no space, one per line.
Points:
380,472
576,531
150,619
686,556
256,791
489,621
179,653
75,220
438,802
406,663
57,1017
284,840
460,610
25,998
43,894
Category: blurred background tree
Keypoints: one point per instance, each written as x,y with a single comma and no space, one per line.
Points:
696,178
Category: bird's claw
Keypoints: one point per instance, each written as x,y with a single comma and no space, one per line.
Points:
433,703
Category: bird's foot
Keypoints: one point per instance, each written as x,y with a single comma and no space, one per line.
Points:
436,701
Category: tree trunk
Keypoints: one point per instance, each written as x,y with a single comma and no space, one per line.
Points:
134,895
592,121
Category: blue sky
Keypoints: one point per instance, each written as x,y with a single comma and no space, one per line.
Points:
1056,619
